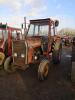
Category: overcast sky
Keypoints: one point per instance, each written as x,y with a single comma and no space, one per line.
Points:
13,11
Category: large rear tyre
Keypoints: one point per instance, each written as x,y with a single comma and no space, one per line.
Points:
43,70
56,57
56,54
8,65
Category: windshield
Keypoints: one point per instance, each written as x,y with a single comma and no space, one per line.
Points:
38,30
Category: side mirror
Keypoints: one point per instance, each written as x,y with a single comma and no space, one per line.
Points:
56,23
22,26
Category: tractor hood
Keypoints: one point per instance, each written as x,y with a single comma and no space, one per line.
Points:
33,42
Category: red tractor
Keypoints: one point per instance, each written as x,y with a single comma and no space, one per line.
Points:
6,35
39,47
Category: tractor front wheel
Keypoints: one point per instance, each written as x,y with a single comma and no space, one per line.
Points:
8,65
2,57
43,70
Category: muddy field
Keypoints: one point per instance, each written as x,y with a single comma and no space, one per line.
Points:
24,85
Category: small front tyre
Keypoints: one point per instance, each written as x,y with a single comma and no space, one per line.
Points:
43,69
8,65
2,57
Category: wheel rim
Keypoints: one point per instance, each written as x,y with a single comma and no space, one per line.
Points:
45,73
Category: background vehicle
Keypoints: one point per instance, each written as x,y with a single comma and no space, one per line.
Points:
39,43
6,35
66,40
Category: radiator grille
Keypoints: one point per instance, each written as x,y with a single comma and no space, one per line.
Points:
19,48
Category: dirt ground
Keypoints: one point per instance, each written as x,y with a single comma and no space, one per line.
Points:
24,85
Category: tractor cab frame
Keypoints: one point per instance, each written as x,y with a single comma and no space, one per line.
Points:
43,29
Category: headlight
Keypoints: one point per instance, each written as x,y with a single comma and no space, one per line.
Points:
15,54
35,57
22,55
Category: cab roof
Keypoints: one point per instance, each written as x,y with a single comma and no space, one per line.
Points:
42,21
4,26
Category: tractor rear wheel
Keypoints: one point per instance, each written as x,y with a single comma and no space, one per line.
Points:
56,56
43,69
8,65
